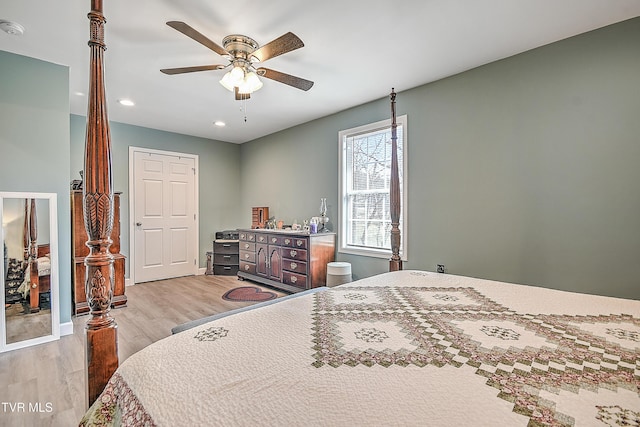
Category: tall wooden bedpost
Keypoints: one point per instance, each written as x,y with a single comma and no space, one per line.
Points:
101,329
395,263
34,282
25,231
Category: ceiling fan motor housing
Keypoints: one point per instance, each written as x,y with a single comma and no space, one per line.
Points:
240,47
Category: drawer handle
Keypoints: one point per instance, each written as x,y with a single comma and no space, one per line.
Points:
227,256
274,239
287,241
261,238
246,246
294,279
299,242
243,236
227,268
293,252
246,267
293,265
226,246
246,256
251,238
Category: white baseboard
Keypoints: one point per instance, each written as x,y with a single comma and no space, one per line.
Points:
201,271
66,329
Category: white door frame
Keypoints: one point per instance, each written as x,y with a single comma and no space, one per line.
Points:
132,228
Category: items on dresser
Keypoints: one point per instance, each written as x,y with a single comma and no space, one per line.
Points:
80,251
227,234
293,261
225,253
259,217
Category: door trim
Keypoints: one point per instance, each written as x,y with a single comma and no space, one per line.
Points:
132,229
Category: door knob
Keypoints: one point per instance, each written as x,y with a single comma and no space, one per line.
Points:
138,224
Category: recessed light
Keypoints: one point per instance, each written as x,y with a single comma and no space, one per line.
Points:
126,102
219,123
78,93
11,28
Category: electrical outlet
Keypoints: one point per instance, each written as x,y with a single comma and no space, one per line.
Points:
440,268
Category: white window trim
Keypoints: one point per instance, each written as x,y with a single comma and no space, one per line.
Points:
343,247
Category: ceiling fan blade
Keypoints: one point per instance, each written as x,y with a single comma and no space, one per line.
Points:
287,79
182,70
200,38
241,96
283,44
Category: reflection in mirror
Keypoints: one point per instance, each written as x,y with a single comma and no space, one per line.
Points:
29,270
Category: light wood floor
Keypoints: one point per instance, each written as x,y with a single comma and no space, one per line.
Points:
51,376
22,325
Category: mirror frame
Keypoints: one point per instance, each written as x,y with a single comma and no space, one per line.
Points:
53,250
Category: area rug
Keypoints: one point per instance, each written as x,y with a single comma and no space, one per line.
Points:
248,293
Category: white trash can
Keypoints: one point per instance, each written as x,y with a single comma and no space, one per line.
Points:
338,273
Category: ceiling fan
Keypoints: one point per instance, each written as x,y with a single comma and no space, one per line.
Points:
243,53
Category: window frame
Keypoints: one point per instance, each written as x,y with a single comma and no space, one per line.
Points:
343,232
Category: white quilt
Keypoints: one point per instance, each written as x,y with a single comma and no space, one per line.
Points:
408,348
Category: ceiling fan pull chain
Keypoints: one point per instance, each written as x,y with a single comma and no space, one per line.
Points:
244,101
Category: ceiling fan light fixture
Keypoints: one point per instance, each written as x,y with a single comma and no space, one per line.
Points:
226,81
250,84
236,75
233,78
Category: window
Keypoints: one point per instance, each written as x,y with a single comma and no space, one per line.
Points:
365,175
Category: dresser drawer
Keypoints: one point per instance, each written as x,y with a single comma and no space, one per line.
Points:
262,238
296,266
274,240
225,259
294,279
225,270
246,246
247,237
247,267
294,254
225,247
295,242
248,256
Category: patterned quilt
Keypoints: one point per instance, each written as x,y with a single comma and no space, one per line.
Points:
402,348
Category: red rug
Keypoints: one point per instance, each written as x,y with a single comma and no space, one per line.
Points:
248,293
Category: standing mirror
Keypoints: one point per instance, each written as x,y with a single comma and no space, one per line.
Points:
29,271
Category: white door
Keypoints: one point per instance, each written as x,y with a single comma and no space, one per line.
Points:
164,217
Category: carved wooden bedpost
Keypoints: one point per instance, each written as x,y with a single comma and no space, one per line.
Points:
34,280
101,329
25,231
395,263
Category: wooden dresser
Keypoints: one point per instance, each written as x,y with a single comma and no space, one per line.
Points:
80,251
291,261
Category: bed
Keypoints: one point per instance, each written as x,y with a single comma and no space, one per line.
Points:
400,348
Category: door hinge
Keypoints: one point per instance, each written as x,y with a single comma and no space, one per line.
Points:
194,170
194,217
194,261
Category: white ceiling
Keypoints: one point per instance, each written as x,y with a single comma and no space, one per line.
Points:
355,51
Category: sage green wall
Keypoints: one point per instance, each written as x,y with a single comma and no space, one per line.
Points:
219,174
34,144
523,170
